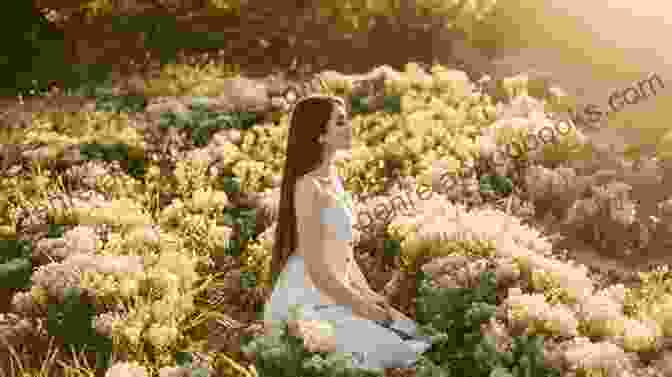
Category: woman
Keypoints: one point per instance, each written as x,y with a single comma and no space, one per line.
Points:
313,265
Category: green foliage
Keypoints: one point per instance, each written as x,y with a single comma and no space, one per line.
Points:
37,50
135,167
527,358
392,247
202,123
361,104
231,185
37,58
71,322
392,104
163,37
233,248
55,231
282,355
106,100
248,279
245,219
453,316
185,360
496,183
16,266
13,248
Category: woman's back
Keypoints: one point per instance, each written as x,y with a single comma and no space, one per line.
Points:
327,201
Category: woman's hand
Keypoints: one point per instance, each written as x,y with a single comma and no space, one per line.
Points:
374,312
392,313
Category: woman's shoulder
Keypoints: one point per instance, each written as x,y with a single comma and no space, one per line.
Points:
310,185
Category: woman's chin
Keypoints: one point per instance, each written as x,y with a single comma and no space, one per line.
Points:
344,154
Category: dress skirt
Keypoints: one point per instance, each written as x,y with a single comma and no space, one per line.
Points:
373,346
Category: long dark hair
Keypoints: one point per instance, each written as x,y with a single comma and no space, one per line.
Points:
304,153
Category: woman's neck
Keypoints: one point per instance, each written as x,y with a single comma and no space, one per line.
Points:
325,171
327,168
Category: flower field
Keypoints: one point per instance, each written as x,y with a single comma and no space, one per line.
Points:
136,232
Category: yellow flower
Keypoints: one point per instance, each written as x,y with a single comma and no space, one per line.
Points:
132,333
220,235
128,287
162,336
200,199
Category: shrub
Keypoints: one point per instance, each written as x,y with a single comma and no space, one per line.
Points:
37,52
186,360
72,323
201,123
361,104
454,317
496,183
280,354
134,166
15,263
106,100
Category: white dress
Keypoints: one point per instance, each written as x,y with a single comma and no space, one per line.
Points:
372,345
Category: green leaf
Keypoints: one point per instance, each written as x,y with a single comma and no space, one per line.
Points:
184,359
103,347
13,248
359,104
500,372
200,372
392,104
248,279
231,184
16,273
233,248
392,247
501,184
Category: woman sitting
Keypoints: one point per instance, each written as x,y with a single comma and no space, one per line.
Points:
313,265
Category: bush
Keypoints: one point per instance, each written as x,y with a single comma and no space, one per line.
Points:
283,355
15,264
107,101
201,123
135,167
71,322
37,60
454,316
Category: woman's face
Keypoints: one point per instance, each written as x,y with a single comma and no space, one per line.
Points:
339,130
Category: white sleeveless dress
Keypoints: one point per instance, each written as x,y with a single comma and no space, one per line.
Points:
372,345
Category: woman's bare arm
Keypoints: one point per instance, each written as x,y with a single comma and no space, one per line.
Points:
315,239
359,281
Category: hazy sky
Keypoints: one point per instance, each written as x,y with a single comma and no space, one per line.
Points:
598,46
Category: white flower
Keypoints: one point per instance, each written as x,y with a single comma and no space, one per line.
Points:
588,356
533,312
174,372
641,335
126,370
603,314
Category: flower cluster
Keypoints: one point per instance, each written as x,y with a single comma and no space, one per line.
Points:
533,313
602,315
641,335
126,369
603,358
79,240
